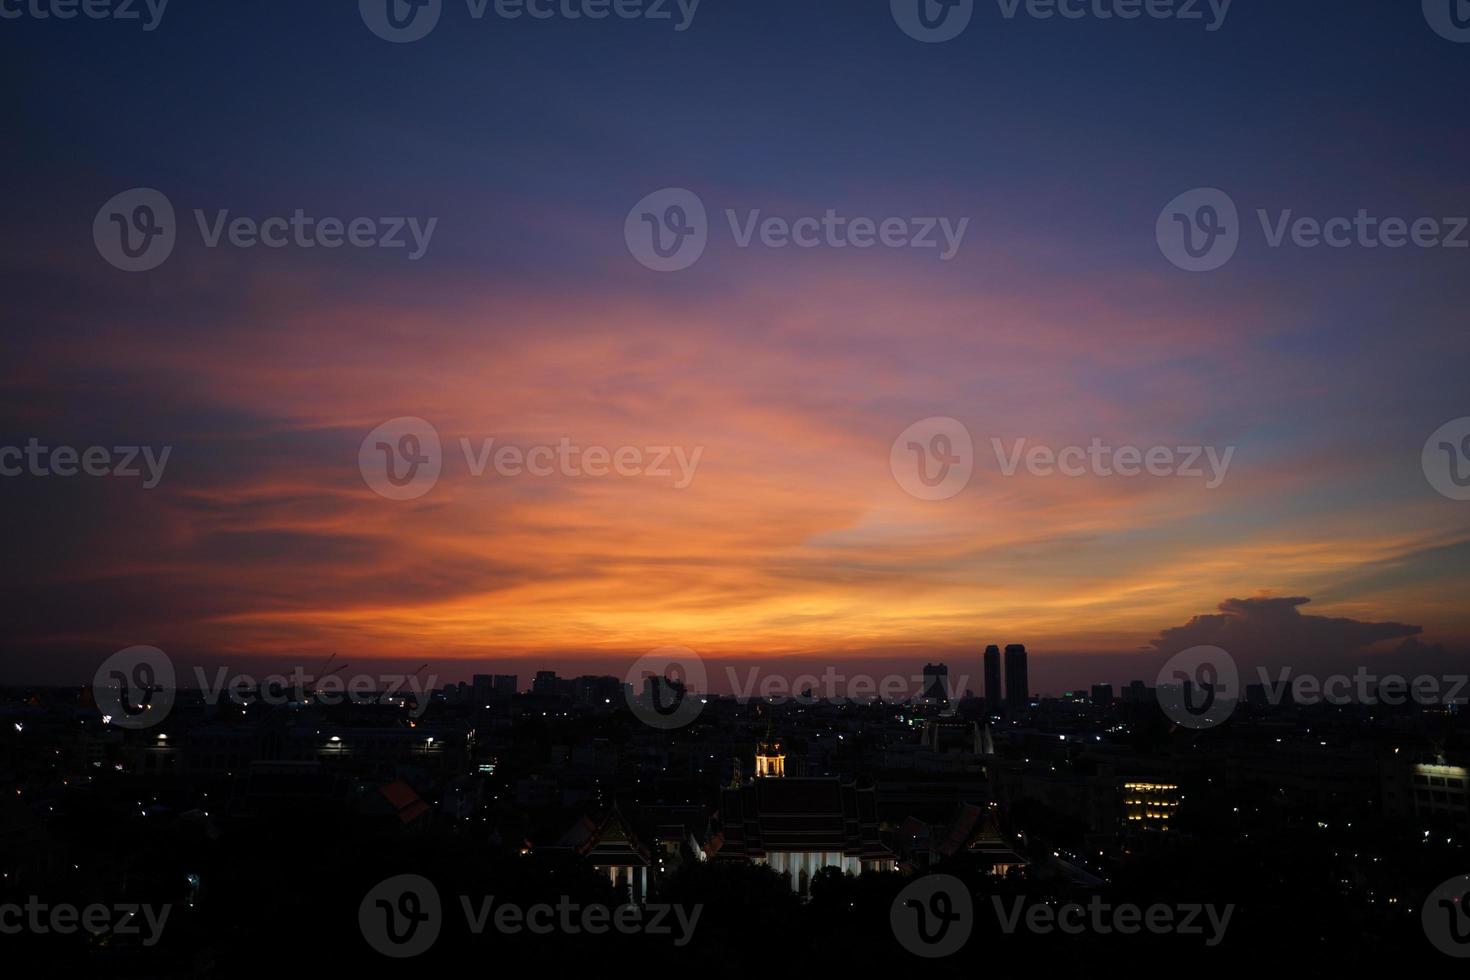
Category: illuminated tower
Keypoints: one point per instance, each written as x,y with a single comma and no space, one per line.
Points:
770,760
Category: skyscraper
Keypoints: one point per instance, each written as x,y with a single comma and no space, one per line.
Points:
993,697
936,683
1018,693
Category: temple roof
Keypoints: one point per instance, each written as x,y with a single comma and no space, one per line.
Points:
821,813
606,844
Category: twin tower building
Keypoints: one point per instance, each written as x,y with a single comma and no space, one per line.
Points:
1017,691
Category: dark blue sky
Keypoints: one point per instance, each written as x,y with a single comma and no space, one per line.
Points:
530,141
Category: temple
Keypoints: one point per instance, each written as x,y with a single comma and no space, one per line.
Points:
798,826
613,849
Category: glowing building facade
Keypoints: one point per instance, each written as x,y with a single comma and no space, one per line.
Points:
1150,806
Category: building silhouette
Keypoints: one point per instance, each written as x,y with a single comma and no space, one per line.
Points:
1018,692
993,697
936,683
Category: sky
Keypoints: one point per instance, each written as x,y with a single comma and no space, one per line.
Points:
787,372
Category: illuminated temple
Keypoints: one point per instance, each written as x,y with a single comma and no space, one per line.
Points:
800,825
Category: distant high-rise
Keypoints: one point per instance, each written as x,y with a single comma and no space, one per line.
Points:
993,697
1102,694
936,683
1018,691
1136,693
506,684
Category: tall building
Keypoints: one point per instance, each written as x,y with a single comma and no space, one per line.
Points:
1102,694
1439,793
1149,806
506,684
993,696
1018,691
936,683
